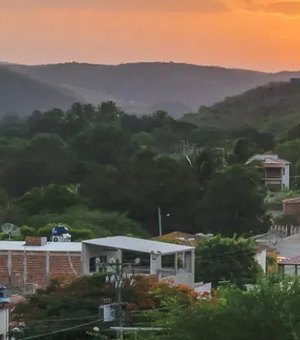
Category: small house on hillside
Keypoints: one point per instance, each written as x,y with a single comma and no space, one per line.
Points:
141,257
276,171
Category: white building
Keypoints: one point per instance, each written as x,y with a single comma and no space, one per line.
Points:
276,170
139,256
4,314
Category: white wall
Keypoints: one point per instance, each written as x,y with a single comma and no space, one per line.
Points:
155,263
286,177
182,279
4,321
261,259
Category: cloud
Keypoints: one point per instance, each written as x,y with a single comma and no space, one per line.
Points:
287,8
122,5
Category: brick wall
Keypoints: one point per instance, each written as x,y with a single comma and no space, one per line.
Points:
18,268
292,209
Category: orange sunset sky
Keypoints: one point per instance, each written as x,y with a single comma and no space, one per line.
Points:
256,34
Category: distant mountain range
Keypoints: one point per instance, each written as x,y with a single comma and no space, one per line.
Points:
274,107
21,94
138,88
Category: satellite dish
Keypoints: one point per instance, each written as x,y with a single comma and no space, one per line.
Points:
10,230
137,261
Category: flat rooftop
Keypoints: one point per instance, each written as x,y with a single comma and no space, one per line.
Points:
139,245
50,246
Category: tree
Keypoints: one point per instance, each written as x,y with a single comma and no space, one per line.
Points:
233,203
101,223
108,112
45,159
78,300
243,149
226,259
50,198
268,311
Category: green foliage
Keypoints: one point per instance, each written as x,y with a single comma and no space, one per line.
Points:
233,203
273,200
268,311
79,217
226,259
126,167
51,198
272,108
77,234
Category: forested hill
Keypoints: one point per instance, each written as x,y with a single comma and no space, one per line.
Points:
142,88
273,108
20,94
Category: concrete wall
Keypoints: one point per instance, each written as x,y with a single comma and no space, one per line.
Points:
286,177
261,259
19,269
4,322
186,279
292,209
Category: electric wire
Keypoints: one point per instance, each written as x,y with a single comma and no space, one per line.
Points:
61,330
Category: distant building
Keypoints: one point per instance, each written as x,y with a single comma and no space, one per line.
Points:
276,171
30,264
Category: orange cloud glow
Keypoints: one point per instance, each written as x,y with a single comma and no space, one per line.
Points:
235,33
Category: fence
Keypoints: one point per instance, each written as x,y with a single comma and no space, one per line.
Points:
285,230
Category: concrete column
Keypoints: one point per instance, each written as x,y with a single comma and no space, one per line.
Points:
47,265
9,266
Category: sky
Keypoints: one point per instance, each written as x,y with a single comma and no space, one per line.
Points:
252,34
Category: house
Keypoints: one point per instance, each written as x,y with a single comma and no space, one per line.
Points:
291,207
276,171
138,256
177,237
31,264
287,249
289,266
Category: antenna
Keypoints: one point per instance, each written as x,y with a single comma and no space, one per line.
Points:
10,230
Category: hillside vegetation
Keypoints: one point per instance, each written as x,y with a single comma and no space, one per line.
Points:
273,108
143,88
20,94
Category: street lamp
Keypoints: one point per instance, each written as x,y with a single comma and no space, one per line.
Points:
160,220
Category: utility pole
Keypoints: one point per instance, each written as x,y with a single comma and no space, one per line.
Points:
117,279
118,284
159,221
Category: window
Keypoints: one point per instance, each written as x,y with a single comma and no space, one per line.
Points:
168,261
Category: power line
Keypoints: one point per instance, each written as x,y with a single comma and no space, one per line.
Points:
60,320
61,330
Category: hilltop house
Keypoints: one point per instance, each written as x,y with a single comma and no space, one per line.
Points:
276,171
138,256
